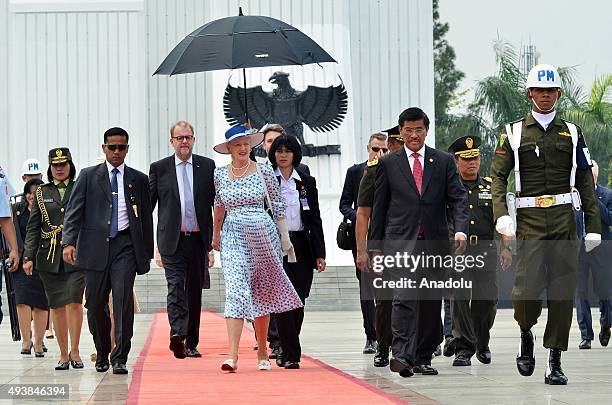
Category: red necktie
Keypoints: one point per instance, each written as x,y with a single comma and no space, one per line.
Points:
417,171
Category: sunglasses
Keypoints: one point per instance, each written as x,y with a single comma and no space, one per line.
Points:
114,147
377,149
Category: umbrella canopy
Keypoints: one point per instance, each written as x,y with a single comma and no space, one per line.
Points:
242,42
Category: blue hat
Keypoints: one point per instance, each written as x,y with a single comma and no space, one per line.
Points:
239,131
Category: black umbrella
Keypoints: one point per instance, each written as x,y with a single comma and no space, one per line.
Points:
10,292
242,42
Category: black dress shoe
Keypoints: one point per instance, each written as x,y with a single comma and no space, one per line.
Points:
44,347
525,360
276,351
449,346
62,365
192,353
381,358
102,364
461,360
119,368
554,374
370,347
75,363
400,366
28,350
584,344
437,352
484,356
178,347
280,361
292,365
39,354
424,369
604,336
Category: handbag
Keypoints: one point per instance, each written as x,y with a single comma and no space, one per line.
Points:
345,235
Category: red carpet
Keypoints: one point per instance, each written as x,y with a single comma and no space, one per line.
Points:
160,378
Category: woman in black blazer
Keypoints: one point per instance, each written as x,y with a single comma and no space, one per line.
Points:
299,191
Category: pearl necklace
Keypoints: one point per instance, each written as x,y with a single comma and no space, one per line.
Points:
244,169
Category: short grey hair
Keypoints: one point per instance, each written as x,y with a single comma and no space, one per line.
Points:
377,135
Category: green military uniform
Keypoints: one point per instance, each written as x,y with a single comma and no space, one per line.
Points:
474,310
365,197
64,283
547,250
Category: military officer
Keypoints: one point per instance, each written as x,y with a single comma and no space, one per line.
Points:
474,310
64,283
365,199
553,178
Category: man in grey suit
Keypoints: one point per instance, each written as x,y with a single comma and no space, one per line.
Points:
108,232
414,185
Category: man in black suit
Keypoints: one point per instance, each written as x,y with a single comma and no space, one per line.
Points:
184,187
108,232
377,146
414,185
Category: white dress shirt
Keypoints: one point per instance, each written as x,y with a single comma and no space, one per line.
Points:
421,153
179,179
123,221
291,196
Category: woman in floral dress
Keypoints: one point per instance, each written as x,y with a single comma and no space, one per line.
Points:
250,243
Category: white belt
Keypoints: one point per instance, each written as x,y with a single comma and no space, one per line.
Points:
544,201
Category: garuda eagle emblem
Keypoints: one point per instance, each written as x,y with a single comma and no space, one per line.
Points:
321,108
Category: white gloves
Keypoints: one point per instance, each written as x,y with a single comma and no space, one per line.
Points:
505,226
286,245
591,241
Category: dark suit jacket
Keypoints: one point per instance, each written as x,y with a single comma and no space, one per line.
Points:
604,198
399,209
35,247
311,218
86,224
350,191
163,186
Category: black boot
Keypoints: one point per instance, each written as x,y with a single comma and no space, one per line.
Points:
554,374
525,361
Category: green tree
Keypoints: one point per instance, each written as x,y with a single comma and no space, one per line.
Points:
446,76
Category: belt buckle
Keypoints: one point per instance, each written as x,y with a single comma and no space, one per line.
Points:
473,240
187,233
545,201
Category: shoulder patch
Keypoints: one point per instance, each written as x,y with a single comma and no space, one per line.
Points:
373,163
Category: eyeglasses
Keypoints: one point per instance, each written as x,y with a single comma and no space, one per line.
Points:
417,131
377,149
114,147
182,138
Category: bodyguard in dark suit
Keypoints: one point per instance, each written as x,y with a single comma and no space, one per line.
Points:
377,146
597,263
303,217
184,187
413,188
108,232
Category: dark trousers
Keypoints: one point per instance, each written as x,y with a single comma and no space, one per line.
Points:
184,275
366,294
448,318
552,265
384,305
118,277
597,263
473,316
300,274
273,337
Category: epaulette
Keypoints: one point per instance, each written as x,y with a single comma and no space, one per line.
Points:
488,179
373,163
